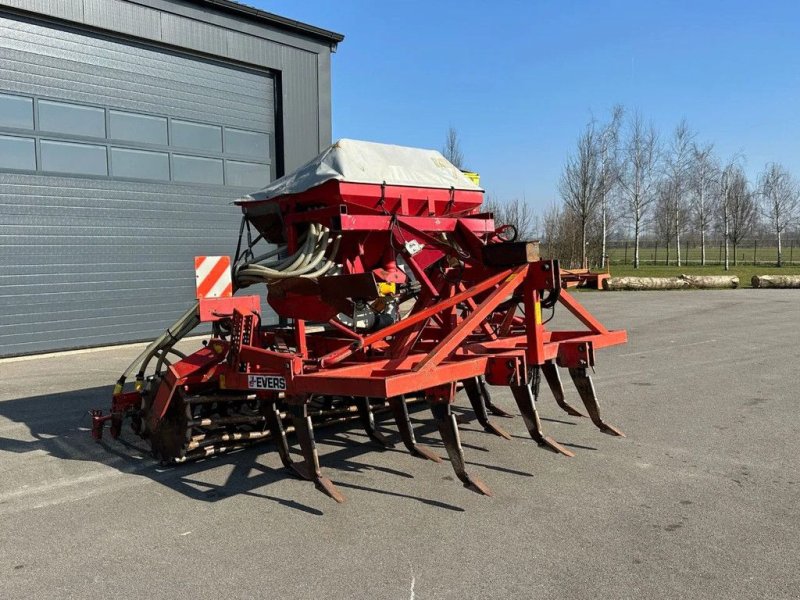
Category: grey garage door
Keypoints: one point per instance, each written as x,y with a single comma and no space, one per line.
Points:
118,164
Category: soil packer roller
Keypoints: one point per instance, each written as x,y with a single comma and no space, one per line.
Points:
391,288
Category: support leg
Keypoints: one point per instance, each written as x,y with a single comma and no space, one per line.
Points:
550,372
487,400
525,395
448,429
473,389
585,387
400,411
368,422
305,436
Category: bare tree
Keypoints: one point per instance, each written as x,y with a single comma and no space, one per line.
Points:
779,200
703,184
561,235
609,172
638,176
517,213
737,208
678,165
726,192
452,148
664,215
581,181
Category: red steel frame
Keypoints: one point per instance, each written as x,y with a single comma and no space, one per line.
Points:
430,347
472,319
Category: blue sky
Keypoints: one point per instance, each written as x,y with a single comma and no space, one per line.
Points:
520,79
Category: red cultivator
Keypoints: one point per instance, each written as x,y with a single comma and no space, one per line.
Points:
389,293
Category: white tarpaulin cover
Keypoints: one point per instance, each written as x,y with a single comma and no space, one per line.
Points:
356,161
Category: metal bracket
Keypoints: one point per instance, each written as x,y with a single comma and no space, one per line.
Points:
505,370
575,355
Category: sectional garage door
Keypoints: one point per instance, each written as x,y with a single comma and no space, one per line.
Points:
118,164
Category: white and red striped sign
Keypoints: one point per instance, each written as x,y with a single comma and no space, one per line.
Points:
213,276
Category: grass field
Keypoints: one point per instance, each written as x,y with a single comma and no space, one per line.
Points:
744,272
747,253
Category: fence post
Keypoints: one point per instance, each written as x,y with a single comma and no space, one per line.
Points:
791,251
625,260
655,254
755,248
719,262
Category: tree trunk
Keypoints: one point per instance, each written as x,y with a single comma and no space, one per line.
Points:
735,259
583,243
727,234
775,281
780,252
636,242
603,251
677,239
702,247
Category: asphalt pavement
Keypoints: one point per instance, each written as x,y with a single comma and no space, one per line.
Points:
701,500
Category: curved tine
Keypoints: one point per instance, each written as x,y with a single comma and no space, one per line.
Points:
275,425
400,411
526,402
583,382
473,389
368,422
487,400
311,469
446,422
550,372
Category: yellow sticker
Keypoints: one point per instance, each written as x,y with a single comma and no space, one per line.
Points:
510,278
222,382
537,313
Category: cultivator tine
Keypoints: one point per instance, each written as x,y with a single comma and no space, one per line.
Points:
550,372
400,411
583,382
473,389
275,426
448,429
525,395
487,400
305,436
368,422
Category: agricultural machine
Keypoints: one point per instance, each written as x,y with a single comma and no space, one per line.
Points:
391,288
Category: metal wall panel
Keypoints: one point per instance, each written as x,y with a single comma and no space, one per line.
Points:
123,17
96,260
300,107
303,62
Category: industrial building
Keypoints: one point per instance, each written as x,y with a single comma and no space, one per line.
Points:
127,128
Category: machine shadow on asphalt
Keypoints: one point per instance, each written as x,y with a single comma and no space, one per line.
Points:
65,437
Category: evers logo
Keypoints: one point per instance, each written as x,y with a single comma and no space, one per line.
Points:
266,382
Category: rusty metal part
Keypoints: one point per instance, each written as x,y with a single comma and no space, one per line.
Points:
525,395
367,417
553,378
487,400
473,389
585,386
310,468
400,411
448,429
